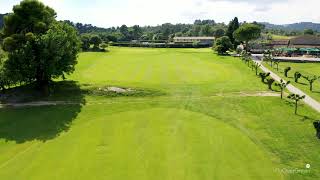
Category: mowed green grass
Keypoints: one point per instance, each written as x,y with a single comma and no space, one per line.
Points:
182,71
306,69
197,128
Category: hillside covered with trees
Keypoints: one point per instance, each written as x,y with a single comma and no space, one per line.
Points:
167,31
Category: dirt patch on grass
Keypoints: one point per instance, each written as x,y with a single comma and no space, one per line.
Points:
116,89
259,94
250,94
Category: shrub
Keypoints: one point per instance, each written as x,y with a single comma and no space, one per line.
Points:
286,71
297,76
263,76
316,125
222,45
270,82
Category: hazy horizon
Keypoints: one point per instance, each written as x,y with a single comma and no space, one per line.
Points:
112,13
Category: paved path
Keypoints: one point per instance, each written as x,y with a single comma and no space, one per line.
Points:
308,100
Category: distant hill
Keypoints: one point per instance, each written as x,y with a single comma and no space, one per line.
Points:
295,26
287,27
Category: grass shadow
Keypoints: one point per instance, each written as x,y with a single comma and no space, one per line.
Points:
40,123
61,90
318,92
302,83
306,118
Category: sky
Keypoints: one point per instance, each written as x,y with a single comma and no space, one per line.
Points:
107,13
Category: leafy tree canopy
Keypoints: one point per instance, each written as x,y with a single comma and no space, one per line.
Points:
247,32
39,47
232,27
222,45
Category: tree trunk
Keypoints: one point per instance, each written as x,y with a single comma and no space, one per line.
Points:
247,46
43,86
43,82
311,86
281,93
296,109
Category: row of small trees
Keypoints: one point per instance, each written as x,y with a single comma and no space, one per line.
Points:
266,79
311,79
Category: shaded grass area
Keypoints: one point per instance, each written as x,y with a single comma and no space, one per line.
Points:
70,91
43,123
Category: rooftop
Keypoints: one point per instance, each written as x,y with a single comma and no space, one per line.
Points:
305,40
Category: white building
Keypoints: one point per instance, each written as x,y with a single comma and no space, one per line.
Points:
201,40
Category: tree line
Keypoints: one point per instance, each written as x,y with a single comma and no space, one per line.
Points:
163,32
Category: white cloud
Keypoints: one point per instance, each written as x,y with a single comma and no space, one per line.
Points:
151,12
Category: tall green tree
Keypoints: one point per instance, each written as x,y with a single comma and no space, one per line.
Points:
85,39
39,47
219,33
136,32
247,32
124,30
206,30
232,27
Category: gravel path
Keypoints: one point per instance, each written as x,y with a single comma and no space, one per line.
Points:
308,100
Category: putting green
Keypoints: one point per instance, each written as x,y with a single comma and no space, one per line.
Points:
157,143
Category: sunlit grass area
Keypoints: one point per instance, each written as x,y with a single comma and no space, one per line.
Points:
190,114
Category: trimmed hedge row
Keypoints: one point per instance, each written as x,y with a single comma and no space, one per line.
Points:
160,45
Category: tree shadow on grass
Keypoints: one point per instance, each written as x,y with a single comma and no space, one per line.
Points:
306,118
41,123
302,83
62,90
